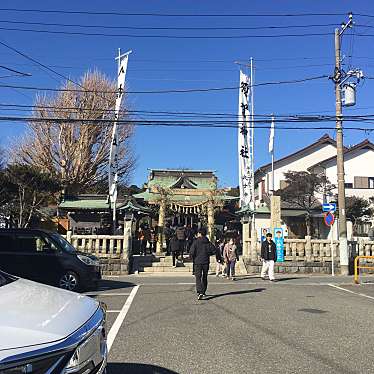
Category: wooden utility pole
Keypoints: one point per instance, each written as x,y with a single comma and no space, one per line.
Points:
343,243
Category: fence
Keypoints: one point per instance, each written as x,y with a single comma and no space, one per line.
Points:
112,250
101,245
306,255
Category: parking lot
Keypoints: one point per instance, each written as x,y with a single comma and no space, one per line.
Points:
297,325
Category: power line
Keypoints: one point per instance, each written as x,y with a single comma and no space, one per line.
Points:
37,62
211,89
15,71
270,27
153,36
262,119
265,124
155,14
213,115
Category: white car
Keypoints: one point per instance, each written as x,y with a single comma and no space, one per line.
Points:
48,330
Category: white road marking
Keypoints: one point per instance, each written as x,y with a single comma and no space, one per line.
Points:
120,318
355,293
113,311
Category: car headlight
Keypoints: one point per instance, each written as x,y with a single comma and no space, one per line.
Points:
90,352
88,261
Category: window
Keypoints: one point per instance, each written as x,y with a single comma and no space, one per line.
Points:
33,243
348,185
371,182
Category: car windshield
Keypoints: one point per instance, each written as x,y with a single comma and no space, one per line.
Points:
65,245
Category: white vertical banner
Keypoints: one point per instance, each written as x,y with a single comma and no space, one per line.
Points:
244,149
271,151
271,137
113,154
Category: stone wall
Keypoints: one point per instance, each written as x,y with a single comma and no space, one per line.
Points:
306,255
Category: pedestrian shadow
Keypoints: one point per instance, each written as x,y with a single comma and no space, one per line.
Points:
288,278
135,368
234,293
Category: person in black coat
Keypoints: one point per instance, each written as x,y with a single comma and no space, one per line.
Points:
268,257
200,252
174,248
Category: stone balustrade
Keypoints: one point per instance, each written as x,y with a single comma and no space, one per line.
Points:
112,250
306,255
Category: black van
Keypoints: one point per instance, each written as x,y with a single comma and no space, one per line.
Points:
47,257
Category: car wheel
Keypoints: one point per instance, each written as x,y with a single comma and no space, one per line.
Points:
69,281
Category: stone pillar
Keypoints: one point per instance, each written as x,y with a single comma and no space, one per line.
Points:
127,241
308,249
275,212
68,236
253,254
210,209
161,223
245,238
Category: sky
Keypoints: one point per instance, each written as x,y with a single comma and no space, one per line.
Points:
171,63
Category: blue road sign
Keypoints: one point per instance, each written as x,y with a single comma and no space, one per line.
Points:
329,207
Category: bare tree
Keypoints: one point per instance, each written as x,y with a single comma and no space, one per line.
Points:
75,152
303,191
2,159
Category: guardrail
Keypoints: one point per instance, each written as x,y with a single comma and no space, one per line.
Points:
357,266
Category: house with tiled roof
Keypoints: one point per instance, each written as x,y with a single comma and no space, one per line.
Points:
318,157
301,160
358,170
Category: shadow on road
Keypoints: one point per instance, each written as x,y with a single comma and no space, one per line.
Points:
233,293
134,368
107,284
288,278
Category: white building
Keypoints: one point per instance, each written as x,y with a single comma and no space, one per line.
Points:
318,157
358,168
301,160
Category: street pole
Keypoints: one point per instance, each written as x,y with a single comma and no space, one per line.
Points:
252,145
332,250
343,243
272,159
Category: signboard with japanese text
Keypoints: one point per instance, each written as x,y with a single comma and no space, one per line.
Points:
279,243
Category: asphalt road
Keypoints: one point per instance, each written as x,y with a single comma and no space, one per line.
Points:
297,325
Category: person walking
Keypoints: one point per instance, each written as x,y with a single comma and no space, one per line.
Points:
268,257
200,252
181,236
168,233
230,254
144,237
220,260
174,249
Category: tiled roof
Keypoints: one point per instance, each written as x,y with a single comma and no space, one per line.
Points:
325,139
366,144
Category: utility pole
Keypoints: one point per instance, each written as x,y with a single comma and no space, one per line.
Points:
343,242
